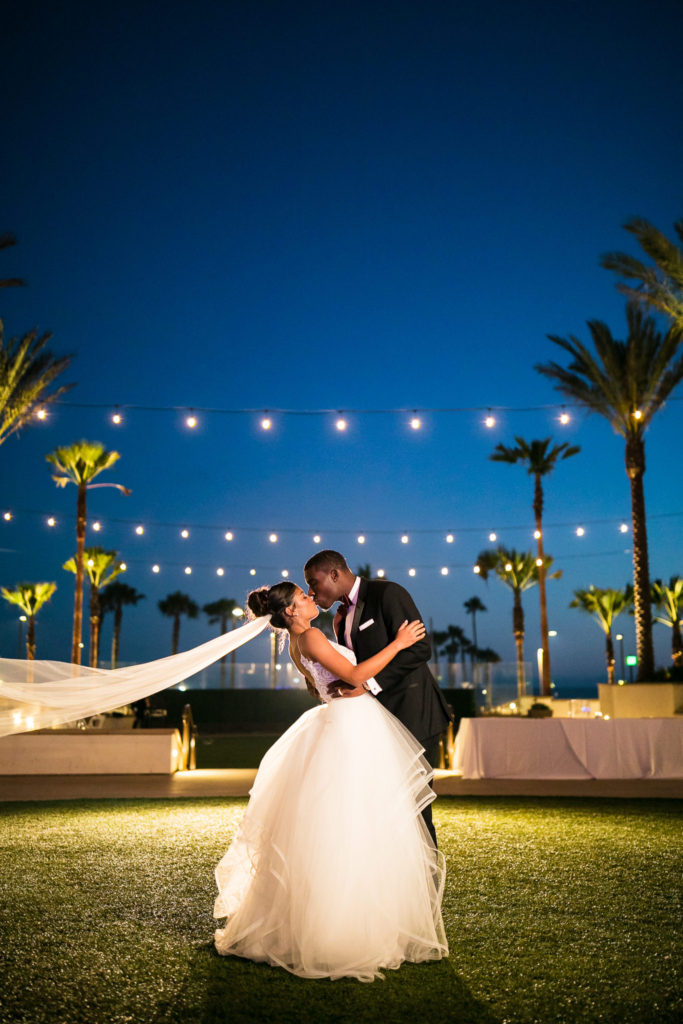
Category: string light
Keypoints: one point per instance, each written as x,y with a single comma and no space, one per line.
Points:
191,422
444,570
490,420
97,526
316,538
266,423
380,574
117,418
41,414
184,534
449,538
220,572
7,516
156,568
623,528
405,538
416,423
341,424
52,521
580,532
493,537
229,535
361,539
139,530
273,538
188,570
412,572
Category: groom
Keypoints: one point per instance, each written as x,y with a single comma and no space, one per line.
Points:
368,618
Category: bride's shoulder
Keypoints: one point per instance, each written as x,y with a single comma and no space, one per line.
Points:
311,640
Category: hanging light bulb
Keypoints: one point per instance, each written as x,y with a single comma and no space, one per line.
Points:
416,423
564,418
52,521
7,516
412,572
444,570
188,570
220,572
139,530
252,572
266,423
490,420
380,574
116,418
184,534
156,568
580,532
341,424
285,573
449,538
493,537
229,535
273,538
361,539
191,422
316,538
405,538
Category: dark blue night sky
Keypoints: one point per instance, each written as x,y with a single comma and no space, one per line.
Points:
332,206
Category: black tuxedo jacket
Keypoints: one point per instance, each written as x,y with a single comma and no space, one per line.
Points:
409,689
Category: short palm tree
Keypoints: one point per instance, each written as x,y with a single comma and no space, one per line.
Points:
660,286
540,458
30,597
79,464
102,567
604,605
113,599
175,605
223,612
518,570
668,600
627,382
451,642
472,606
486,656
7,239
27,371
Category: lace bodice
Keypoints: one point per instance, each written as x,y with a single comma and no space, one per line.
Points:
322,677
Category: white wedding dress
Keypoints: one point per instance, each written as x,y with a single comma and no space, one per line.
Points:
332,872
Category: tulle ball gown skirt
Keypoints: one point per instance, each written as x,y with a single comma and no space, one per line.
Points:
332,873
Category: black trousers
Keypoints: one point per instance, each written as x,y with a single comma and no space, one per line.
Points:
431,746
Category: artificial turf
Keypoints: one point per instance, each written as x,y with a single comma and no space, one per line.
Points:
556,911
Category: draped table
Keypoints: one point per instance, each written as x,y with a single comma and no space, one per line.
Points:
569,748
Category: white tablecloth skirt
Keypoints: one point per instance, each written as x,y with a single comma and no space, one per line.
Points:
567,748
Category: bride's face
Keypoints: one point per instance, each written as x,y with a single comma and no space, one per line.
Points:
303,607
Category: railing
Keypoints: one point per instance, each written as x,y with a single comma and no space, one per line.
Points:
188,753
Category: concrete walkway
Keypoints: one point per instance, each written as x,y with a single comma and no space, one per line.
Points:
237,782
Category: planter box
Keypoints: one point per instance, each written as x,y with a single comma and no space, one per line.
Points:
641,700
78,752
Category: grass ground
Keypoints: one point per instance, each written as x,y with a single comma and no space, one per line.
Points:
556,911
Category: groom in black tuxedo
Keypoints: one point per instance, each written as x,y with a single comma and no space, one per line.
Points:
368,619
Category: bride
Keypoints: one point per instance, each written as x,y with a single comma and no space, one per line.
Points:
332,872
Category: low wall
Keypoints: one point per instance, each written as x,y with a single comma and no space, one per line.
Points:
78,752
641,700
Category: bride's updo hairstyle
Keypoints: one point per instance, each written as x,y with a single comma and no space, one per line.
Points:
273,601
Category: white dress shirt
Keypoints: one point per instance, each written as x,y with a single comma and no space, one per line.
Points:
372,685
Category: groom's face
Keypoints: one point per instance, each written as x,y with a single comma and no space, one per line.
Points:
324,587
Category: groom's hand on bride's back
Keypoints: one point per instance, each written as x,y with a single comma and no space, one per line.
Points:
339,689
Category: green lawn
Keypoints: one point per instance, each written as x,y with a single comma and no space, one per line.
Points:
556,911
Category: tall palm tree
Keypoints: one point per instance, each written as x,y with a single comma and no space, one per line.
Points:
27,370
659,286
30,597
518,570
7,239
668,600
102,567
627,382
451,641
79,464
113,599
175,605
487,657
223,612
604,605
473,605
540,460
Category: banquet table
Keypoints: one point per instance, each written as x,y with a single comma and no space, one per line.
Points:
568,748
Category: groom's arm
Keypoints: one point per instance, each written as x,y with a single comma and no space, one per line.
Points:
397,606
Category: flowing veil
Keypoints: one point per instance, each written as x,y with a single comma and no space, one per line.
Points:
41,694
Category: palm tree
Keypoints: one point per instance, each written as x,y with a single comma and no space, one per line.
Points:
451,642
519,571
223,611
487,657
627,382
30,597
540,460
175,605
659,286
27,370
668,600
472,606
6,240
79,464
113,600
102,567
604,605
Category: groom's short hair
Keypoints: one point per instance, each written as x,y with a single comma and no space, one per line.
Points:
326,561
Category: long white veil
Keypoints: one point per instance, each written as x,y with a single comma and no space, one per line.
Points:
41,694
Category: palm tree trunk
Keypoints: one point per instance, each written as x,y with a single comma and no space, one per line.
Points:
518,630
31,638
116,635
677,643
176,634
94,624
78,600
635,468
538,513
609,654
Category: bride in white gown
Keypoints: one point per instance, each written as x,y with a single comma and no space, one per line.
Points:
332,872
